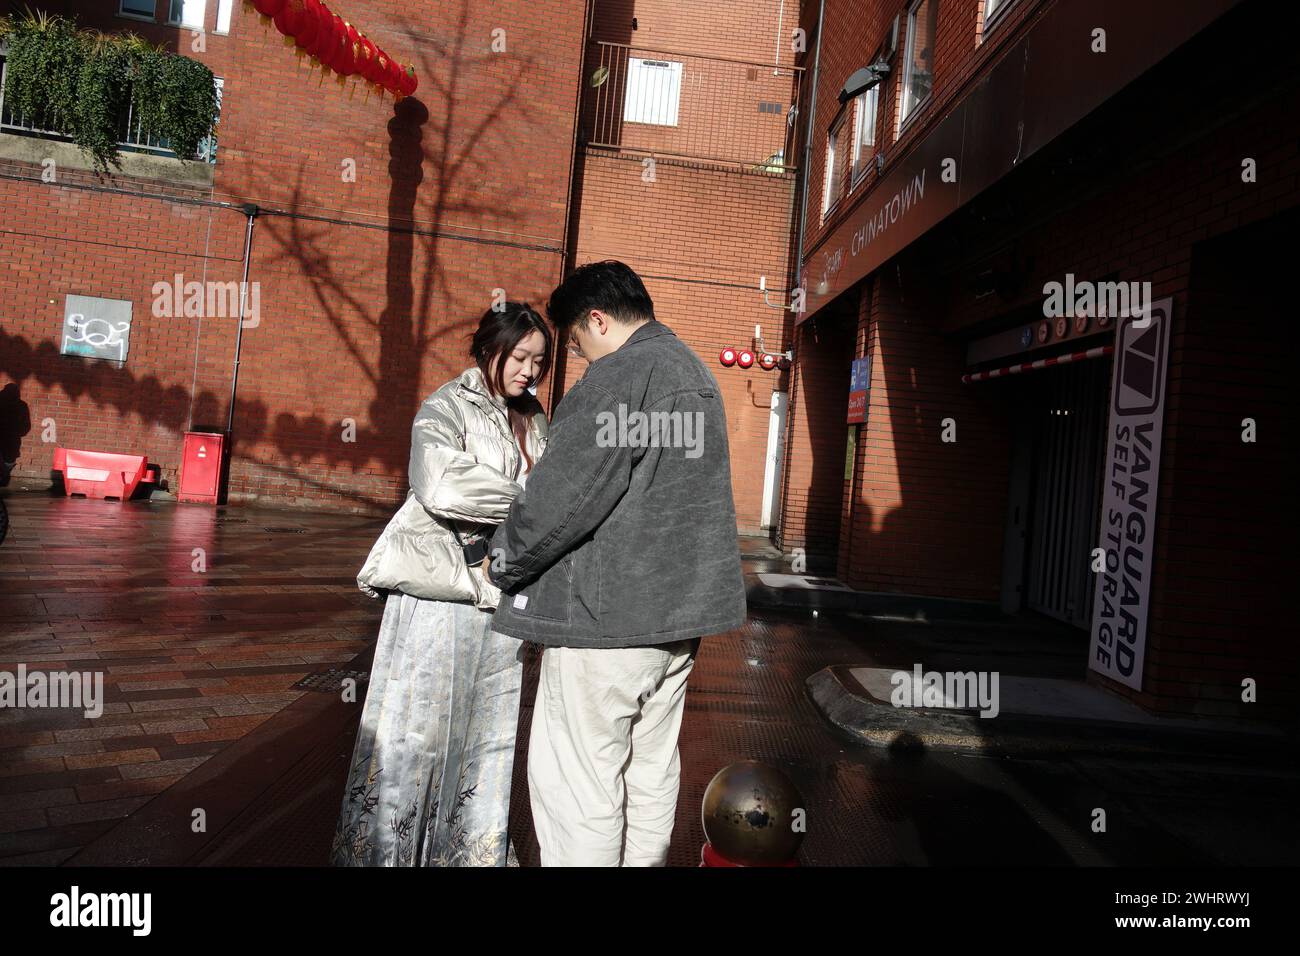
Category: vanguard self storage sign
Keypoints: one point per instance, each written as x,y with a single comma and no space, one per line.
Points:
1121,606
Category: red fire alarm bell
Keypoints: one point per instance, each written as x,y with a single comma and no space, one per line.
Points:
727,356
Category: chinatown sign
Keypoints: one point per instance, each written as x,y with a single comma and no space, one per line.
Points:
1125,554
1044,83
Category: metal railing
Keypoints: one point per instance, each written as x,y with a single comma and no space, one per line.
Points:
133,138
688,106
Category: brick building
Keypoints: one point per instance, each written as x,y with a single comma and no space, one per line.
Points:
964,155
972,159
685,171
381,237
605,129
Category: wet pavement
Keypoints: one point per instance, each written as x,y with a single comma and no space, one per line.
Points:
202,712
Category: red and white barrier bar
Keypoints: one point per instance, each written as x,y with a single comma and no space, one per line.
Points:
1096,352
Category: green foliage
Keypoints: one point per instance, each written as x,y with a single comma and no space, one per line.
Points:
42,69
175,98
79,84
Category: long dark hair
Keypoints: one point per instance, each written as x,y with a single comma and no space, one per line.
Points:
499,331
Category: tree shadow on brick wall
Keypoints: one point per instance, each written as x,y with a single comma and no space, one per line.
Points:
433,159
406,347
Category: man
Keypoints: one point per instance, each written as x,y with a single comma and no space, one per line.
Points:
619,555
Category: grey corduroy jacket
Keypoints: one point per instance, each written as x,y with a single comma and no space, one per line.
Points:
465,463
626,532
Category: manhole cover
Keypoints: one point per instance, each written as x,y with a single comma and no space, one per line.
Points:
330,681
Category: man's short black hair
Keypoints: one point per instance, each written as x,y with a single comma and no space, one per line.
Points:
609,286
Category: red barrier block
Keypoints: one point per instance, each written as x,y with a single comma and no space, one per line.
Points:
98,474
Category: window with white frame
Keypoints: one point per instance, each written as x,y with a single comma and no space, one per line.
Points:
864,132
187,13
918,56
224,8
654,89
834,178
137,8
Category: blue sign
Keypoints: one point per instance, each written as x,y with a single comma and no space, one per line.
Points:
859,384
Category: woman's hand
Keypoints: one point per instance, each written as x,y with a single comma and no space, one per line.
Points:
483,567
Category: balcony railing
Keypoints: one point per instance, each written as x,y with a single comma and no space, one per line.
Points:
681,105
133,137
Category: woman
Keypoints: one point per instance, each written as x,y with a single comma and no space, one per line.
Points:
430,777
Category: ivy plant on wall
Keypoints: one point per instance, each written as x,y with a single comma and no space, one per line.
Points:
80,83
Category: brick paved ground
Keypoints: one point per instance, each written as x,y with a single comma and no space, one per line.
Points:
192,660
201,713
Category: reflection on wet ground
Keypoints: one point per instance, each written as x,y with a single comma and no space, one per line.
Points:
203,619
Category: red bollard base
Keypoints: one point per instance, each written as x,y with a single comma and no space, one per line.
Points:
711,857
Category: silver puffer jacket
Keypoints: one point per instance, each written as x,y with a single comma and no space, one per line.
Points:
464,465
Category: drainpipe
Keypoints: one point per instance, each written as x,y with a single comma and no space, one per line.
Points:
798,255
250,210
807,146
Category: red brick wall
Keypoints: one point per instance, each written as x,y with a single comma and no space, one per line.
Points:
1225,544
855,30
1181,220
462,193
816,439
700,237
927,516
700,233
744,29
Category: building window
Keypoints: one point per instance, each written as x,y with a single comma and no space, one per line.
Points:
993,9
187,13
143,9
864,132
834,164
654,88
224,8
918,57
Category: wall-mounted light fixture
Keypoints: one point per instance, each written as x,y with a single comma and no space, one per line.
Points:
864,79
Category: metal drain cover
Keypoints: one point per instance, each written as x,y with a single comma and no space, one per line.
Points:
330,681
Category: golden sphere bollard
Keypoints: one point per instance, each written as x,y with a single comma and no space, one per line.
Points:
753,815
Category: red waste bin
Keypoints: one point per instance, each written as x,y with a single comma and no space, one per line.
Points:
201,467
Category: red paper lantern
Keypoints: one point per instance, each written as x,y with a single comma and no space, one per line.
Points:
408,82
268,8
327,46
289,17
320,18
366,53
393,80
352,51
307,30
380,69
345,61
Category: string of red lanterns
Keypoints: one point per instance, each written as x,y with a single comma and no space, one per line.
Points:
336,44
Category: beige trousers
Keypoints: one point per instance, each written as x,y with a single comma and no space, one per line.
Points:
603,766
